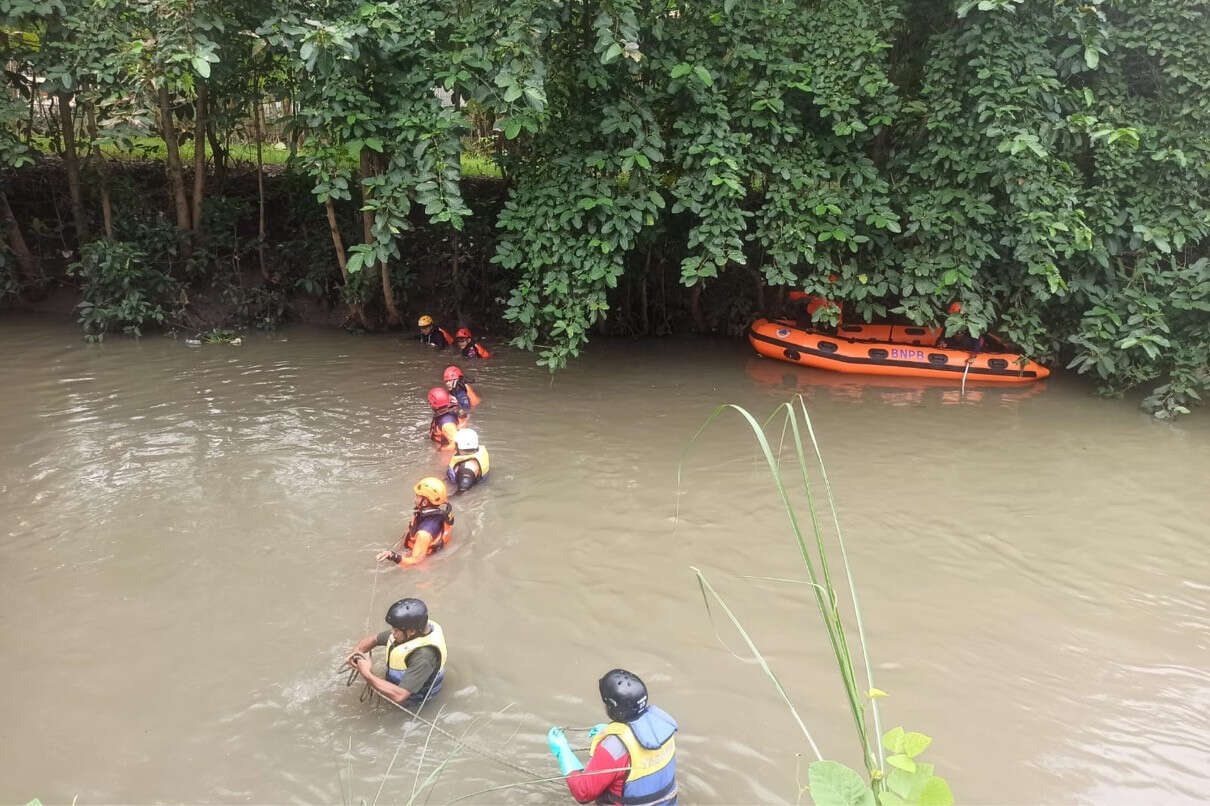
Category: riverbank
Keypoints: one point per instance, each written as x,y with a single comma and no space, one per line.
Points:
224,283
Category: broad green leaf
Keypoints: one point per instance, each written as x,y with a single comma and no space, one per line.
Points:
833,784
611,53
201,66
703,75
915,743
681,69
902,762
936,792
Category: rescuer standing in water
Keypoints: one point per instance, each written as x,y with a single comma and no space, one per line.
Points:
416,655
633,757
470,463
433,334
456,385
429,529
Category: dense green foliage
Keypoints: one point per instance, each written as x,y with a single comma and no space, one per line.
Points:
122,291
1045,163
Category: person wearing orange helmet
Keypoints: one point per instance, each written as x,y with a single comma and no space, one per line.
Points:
429,529
431,334
468,346
962,339
456,385
447,417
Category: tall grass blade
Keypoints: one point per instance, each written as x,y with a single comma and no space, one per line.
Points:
844,659
760,659
818,566
844,556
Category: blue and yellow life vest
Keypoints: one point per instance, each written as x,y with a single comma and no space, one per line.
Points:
649,741
397,661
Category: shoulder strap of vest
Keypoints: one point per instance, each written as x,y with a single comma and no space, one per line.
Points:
459,458
445,511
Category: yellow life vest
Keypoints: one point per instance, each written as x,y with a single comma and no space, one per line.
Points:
479,456
643,762
397,654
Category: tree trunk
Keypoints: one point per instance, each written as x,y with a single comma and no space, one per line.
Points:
33,96
355,309
695,306
337,241
367,217
71,164
258,121
220,156
288,111
51,115
643,293
454,271
369,169
388,296
26,266
176,176
199,156
102,172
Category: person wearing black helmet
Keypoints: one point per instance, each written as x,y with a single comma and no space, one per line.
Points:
633,758
416,654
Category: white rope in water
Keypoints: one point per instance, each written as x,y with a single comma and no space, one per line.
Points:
489,754
373,592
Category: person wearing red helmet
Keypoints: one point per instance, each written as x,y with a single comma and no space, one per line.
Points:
468,346
456,383
446,417
429,529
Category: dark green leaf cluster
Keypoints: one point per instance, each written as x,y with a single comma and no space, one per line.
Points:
121,290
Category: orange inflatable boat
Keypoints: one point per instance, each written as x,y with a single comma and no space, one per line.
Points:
887,350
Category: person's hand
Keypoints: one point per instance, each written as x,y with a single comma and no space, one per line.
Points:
352,657
360,662
388,555
595,729
562,751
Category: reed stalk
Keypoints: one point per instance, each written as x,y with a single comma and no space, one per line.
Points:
815,557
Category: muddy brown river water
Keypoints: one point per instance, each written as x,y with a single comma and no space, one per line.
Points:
189,537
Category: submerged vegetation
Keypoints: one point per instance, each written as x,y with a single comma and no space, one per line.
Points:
1044,164
891,780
